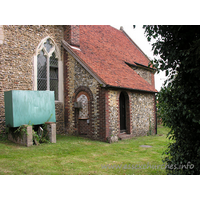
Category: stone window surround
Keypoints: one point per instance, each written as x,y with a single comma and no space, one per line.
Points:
60,68
1,34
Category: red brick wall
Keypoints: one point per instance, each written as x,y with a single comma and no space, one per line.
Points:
84,128
107,113
71,35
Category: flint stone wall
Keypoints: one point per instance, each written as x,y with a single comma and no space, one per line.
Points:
145,74
142,113
17,48
113,103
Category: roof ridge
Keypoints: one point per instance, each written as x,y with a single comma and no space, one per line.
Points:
131,40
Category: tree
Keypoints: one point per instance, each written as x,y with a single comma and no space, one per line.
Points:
179,101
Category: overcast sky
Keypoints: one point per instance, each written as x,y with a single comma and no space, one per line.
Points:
137,35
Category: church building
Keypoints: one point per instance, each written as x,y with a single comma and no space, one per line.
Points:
103,87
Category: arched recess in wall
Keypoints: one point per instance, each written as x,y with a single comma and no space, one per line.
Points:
124,112
48,68
83,115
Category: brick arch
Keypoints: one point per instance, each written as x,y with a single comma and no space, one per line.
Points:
84,128
83,89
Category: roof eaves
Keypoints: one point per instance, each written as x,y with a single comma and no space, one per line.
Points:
146,67
68,48
141,66
137,90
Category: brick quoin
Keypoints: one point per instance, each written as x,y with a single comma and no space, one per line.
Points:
130,114
101,107
107,113
66,91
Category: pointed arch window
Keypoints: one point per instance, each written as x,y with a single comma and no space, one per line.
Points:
47,67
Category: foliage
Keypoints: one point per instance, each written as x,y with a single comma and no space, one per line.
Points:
178,48
3,136
19,132
41,135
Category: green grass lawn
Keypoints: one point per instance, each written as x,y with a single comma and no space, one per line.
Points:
77,155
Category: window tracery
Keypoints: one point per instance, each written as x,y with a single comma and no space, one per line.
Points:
47,67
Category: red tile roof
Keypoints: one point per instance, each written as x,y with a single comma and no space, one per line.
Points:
105,50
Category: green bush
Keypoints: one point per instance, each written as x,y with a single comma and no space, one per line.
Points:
178,48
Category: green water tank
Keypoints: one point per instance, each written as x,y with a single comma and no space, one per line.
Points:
29,107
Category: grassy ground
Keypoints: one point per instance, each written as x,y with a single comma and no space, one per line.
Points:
77,155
